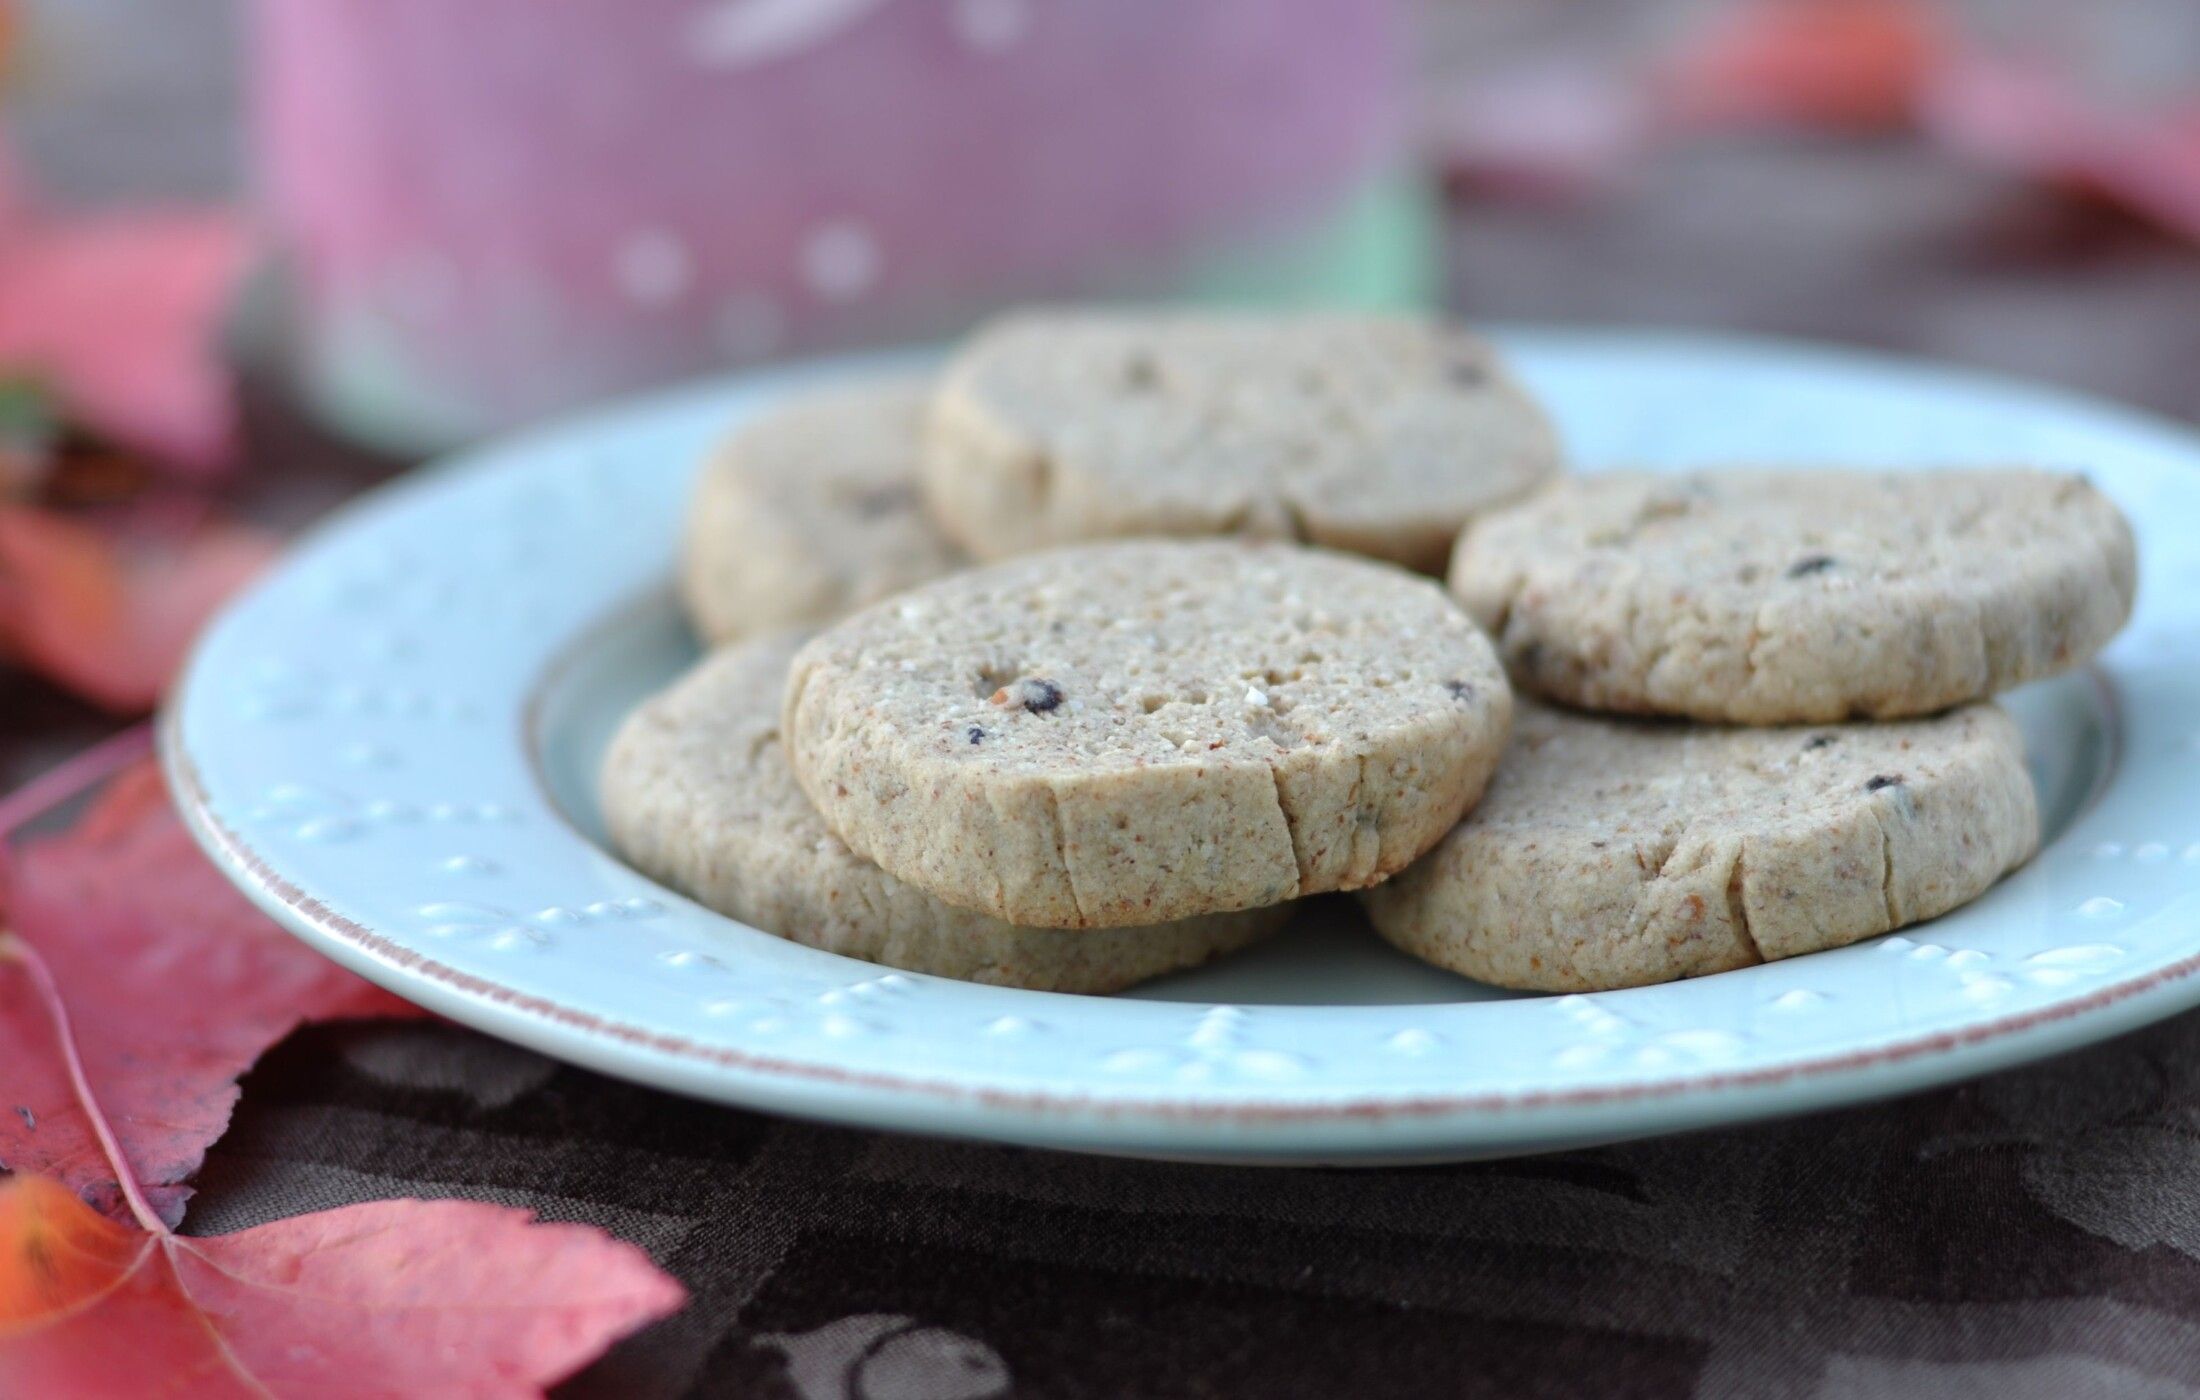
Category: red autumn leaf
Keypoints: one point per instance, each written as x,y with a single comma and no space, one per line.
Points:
121,313
388,1298
133,988
1851,64
2042,124
175,985
109,617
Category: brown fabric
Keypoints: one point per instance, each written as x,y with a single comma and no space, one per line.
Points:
2033,1235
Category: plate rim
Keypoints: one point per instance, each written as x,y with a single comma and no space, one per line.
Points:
324,928
633,1051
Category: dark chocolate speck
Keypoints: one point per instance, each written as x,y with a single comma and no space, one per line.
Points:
1884,780
1041,696
976,734
1810,564
30,1119
1460,690
1818,741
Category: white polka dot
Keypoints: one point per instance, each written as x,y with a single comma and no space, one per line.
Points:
840,260
749,326
739,33
653,267
990,26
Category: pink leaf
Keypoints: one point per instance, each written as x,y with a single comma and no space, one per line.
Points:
121,314
175,983
2040,124
389,1298
111,619
1557,129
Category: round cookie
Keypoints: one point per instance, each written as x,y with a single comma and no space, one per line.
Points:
697,793
809,511
1379,435
1797,596
1131,732
1614,852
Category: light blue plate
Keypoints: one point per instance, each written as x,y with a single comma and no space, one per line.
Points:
391,744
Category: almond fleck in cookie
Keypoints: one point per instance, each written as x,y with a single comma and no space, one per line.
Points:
697,793
1798,596
1127,733
811,510
1379,435
1614,852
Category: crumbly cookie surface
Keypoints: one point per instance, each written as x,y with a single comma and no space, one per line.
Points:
811,510
1378,435
1613,852
1798,596
697,793
1125,733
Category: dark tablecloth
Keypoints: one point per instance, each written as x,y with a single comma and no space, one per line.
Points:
2035,1236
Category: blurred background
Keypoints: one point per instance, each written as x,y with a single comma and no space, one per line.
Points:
256,256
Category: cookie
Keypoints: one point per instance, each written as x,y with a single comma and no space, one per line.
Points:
697,793
1132,732
1379,435
809,511
1615,852
1798,596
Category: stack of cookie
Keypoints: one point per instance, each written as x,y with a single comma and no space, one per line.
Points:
1177,702
1084,766
1613,852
